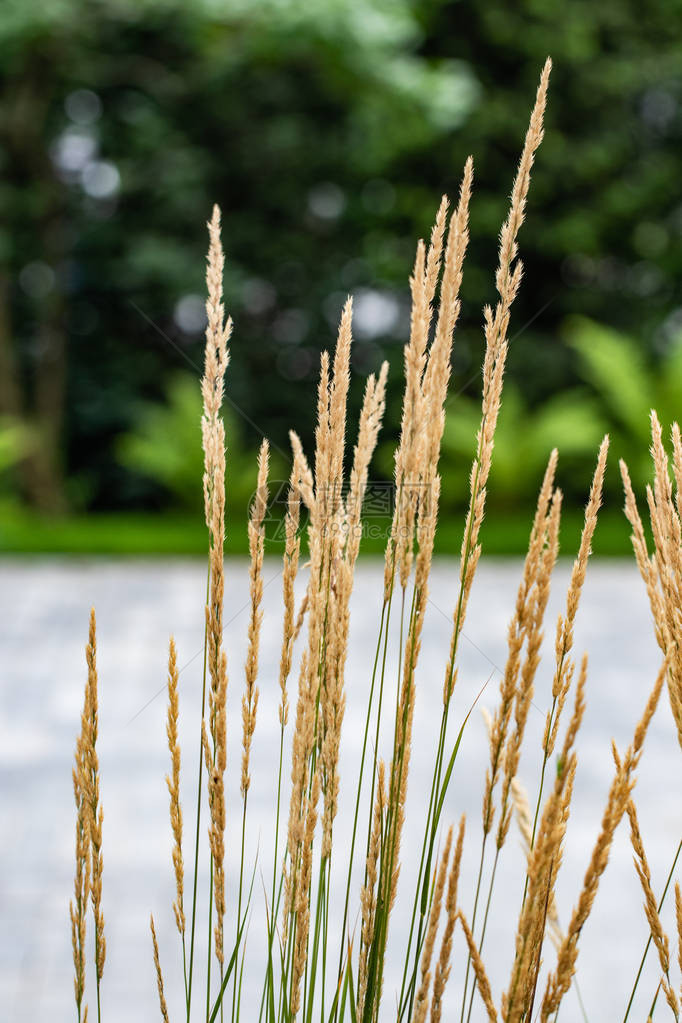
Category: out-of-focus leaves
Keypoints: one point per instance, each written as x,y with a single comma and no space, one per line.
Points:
523,442
165,446
614,365
165,443
16,440
327,132
628,386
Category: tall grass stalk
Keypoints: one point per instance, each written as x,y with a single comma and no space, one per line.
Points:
197,826
311,965
650,938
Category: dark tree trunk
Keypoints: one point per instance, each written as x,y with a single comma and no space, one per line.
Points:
40,405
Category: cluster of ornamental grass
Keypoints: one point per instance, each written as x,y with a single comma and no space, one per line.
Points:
333,969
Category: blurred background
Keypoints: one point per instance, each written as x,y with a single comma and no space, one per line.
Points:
327,132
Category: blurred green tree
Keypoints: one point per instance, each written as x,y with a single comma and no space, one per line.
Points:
15,444
628,387
327,133
165,446
570,421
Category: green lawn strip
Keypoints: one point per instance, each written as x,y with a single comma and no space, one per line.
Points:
503,533
109,534
507,532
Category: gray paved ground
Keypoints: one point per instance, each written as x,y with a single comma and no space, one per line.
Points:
44,607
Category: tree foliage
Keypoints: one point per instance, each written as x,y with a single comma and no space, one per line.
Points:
327,132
